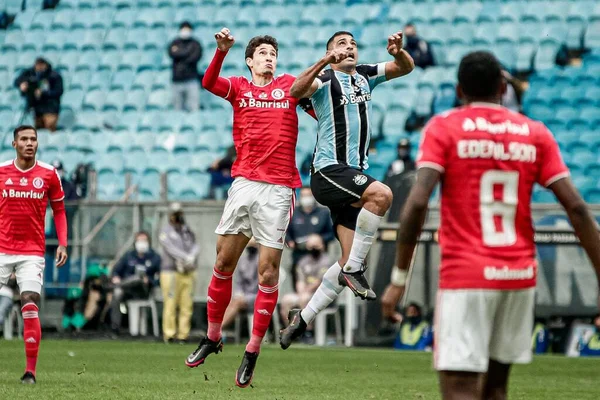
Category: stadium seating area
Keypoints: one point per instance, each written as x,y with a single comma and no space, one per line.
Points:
116,110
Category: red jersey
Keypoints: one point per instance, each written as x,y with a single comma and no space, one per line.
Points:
265,130
490,158
25,196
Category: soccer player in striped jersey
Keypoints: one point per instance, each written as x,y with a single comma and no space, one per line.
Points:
341,97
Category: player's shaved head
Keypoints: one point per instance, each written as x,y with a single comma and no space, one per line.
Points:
480,77
335,35
23,128
256,41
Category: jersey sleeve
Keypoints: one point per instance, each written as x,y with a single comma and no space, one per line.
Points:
322,79
234,88
552,167
375,73
55,191
434,146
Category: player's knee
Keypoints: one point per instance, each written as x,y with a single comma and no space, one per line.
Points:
30,297
268,274
224,263
380,196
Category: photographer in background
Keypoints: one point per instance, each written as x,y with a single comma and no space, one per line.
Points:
42,87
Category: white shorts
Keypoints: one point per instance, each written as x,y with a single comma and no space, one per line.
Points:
473,326
258,209
29,271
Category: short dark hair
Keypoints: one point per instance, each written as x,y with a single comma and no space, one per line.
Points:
416,306
143,233
480,75
338,33
186,24
22,128
257,41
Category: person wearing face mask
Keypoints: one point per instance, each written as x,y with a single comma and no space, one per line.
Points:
309,274
591,346
415,333
179,252
309,221
186,52
245,284
417,47
42,88
404,162
133,276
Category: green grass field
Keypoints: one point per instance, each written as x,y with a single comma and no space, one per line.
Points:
86,370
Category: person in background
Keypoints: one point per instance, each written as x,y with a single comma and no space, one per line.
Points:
540,339
68,186
511,99
245,284
417,47
310,270
7,293
179,252
133,276
404,162
415,334
591,346
309,220
186,52
42,88
220,172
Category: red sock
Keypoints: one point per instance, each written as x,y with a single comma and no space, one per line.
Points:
219,296
32,334
264,305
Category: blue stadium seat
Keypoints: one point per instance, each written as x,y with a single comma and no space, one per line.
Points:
115,38
94,100
42,20
485,34
424,103
149,60
566,113
592,139
136,161
23,20
130,59
149,186
136,100
100,79
508,31
109,60
63,19
359,14
144,80
114,101
127,122
33,40
592,35
525,54
468,12
122,79
156,39
124,18
394,121
72,100
442,12
455,53
54,40
110,186
545,56
25,60
88,60
159,100
8,60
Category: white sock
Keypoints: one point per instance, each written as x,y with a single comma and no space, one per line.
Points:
366,228
326,293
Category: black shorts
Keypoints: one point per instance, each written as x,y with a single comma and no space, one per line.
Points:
338,187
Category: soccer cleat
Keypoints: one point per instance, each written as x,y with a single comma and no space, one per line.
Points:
28,378
243,376
204,349
294,330
357,283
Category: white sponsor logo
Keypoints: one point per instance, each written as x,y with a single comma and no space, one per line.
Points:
278,94
30,340
506,274
360,180
8,182
264,312
22,194
210,300
488,149
263,104
482,124
38,183
248,94
23,182
355,98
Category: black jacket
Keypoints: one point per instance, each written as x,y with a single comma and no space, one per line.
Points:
185,59
50,83
131,264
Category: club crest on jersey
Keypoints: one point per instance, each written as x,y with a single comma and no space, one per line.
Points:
23,181
38,183
360,179
278,94
263,95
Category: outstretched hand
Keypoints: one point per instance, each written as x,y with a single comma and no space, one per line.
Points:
224,39
394,46
61,256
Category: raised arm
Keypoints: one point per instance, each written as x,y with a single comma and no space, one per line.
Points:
306,83
403,63
212,81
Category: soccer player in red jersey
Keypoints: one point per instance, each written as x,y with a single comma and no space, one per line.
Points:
27,185
261,199
487,159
